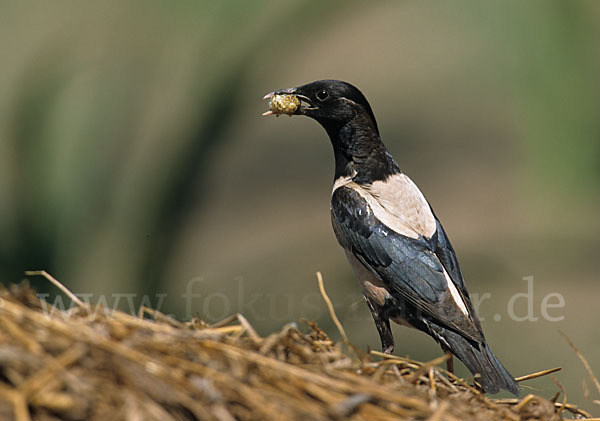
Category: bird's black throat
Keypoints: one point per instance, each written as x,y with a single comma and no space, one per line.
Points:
358,150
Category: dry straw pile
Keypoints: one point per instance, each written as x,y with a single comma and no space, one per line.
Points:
95,364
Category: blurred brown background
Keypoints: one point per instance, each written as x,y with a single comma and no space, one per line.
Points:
134,160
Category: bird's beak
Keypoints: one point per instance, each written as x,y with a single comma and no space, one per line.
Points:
305,102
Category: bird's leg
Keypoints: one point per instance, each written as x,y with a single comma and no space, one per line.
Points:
449,362
382,322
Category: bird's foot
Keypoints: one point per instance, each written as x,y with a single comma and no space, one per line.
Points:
388,349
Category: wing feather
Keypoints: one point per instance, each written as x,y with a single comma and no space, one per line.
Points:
408,267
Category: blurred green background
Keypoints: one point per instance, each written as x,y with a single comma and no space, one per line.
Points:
133,157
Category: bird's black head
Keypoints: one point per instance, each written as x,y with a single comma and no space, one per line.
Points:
331,102
348,119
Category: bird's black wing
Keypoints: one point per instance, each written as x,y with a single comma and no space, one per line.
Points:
409,268
445,252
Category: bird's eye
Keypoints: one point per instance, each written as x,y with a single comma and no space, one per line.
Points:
322,95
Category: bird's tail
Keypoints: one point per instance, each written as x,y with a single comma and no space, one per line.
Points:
480,359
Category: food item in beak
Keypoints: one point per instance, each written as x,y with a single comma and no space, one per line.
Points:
283,104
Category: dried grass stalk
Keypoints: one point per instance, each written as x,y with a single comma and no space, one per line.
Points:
96,365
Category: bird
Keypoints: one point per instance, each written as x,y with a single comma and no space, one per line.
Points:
401,255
